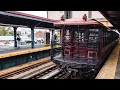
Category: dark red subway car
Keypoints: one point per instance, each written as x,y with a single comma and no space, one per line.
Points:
85,46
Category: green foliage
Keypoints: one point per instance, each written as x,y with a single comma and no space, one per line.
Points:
6,31
11,33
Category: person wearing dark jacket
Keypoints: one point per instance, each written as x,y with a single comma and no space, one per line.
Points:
18,40
55,37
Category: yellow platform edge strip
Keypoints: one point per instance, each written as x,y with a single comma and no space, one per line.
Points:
15,53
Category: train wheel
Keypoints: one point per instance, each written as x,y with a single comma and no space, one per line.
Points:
81,74
91,74
86,74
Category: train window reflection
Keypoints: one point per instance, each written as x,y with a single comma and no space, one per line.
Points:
79,35
92,38
67,36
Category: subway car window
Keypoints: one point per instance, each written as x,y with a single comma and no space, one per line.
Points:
93,38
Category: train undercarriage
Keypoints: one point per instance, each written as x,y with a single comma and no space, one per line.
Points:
81,70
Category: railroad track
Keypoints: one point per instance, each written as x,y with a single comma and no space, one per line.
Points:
52,73
61,75
13,73
33,72
40,70
47,74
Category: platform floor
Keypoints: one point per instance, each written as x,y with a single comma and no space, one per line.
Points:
117,73
8,49
111,68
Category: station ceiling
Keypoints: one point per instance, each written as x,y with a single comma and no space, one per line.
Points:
113,17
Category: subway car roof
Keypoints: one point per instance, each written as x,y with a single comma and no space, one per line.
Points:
80,22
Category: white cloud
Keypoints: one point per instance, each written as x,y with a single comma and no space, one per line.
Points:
37,13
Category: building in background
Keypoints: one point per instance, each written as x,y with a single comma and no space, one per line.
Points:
56,15
24,31
39,34
74,14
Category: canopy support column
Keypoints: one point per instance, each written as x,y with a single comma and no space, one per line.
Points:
15,42
32,37
60,37
52,44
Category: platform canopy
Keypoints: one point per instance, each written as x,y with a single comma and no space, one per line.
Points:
113,17
18,19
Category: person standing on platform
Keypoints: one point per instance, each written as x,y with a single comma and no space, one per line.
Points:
62,18
55,37
85,17
18,40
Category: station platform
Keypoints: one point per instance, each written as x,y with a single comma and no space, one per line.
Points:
8,49
111,68
13,57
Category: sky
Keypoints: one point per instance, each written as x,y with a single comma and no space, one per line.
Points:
37,13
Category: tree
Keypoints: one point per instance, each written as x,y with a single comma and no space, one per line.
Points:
11,33
2,31
6,31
